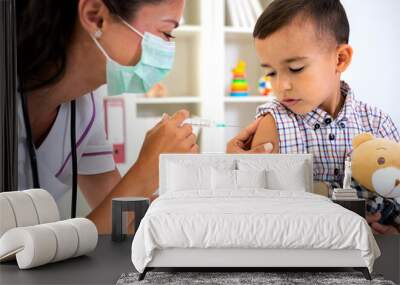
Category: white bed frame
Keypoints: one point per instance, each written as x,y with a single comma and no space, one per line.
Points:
242,259
234,257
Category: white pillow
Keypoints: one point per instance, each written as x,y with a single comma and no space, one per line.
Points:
251,179
223,179
183,177
293,179
226,179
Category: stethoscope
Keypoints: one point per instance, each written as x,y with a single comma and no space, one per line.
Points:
33,157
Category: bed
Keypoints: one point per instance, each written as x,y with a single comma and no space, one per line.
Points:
247,211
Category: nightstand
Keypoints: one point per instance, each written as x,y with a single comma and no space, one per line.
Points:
356,205
137,205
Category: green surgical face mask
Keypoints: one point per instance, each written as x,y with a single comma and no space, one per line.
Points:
156,61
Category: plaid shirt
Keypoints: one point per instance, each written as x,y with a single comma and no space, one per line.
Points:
328,139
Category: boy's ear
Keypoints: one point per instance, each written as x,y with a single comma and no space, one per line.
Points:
344,57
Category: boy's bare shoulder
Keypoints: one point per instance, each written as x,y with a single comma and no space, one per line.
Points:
266,133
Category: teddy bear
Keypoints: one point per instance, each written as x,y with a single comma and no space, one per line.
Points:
375,167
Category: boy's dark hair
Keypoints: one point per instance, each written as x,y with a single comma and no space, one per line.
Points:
328,15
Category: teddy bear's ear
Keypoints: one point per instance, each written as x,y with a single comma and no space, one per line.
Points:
362,138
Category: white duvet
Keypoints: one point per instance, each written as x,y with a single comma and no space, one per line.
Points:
250,219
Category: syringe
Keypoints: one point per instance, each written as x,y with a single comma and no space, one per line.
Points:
204,123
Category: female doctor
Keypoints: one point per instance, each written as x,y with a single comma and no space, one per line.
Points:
67,49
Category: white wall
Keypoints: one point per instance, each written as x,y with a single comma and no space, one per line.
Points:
375,36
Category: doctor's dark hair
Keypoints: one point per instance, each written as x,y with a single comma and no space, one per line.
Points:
329,17
44,31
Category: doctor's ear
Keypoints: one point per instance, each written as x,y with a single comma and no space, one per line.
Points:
92,15
344,56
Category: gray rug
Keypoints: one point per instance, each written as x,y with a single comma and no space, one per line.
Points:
230,278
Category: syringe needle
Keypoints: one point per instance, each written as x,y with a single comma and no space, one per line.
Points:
222,125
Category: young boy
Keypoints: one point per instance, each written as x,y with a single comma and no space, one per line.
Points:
303,46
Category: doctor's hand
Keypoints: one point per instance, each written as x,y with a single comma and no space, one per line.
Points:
377,228
169,136
242,142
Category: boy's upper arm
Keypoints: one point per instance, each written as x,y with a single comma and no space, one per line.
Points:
266,133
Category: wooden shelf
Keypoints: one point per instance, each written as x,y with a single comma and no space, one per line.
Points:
238,30
232,33
248,99
168,100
